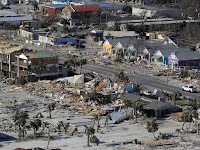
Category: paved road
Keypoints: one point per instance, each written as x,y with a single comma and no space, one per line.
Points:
143,80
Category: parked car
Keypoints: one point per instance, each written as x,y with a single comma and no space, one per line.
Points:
77,46
148,93
189,88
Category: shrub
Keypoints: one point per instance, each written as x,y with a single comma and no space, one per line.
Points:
94,139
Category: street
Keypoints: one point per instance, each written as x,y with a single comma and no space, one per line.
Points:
143,80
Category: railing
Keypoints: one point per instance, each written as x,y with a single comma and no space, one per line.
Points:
6,68
23,72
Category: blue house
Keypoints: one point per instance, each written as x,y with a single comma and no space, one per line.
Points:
160,57
131,52
56,39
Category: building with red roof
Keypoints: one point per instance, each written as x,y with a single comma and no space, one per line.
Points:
82,13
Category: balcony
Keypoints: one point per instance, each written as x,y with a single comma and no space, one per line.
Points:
5,68
23,72
21,64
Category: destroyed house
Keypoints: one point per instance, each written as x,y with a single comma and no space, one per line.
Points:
52,10
82,13
19,62
7,59
39,64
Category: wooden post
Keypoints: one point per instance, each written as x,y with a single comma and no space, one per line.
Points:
198,130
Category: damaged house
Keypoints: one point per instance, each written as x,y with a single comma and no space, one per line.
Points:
19,62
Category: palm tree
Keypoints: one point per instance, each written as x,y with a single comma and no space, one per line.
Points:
136,106
50,108
108,117
23,130
176,96
59,125
35,124
152,126
66,126
82,62
188,116
98,119
20,121
35,5
127,103
89,131
95,119
121,75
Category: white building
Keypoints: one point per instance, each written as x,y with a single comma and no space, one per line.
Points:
155,11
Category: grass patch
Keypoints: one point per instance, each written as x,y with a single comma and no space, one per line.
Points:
112,68
182,102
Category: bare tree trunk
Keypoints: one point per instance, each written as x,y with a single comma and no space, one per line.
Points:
126,112
183,123
107,123
88,140
34,133
19,133
65,130
23,132
49,114
135,111
98,125
48,139
153,133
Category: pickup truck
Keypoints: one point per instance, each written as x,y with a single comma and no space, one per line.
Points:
189,88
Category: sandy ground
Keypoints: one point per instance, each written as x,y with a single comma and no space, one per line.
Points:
110,139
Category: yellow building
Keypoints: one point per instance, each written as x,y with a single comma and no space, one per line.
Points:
107,48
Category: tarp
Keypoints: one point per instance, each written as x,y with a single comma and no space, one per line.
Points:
74,79
79,78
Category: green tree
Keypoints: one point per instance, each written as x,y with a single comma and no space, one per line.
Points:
35,5
89,131
20,120
95,119
50,108
35,124
194,103
59,125
66,126
152,126
94,139
136,106
127,103
188,116
176,96
98,120
53,29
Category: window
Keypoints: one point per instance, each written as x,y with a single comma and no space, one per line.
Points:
194,63
187,63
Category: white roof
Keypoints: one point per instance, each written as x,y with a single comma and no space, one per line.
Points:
119,33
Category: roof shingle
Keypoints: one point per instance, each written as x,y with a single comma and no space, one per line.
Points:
85,8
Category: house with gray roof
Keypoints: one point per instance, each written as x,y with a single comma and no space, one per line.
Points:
158,108
160,57
186,59
147,49
113,46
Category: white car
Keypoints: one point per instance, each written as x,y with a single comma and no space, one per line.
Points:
189,88
147,93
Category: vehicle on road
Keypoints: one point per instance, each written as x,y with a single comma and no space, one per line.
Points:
148,93
79,46
189,88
